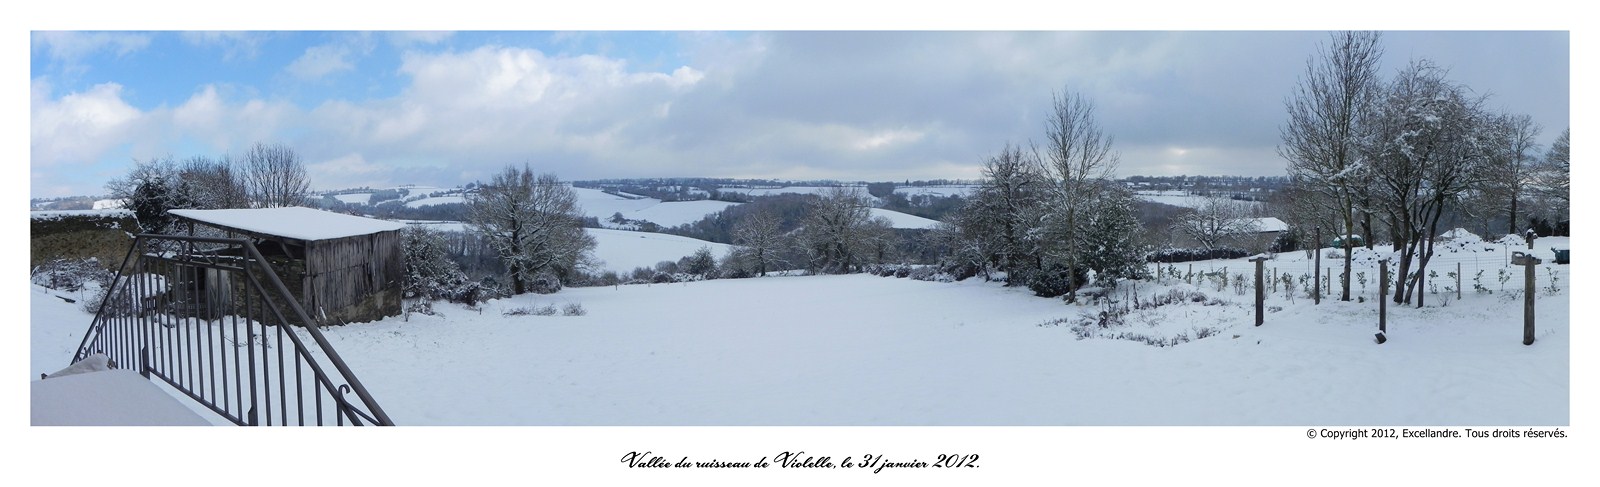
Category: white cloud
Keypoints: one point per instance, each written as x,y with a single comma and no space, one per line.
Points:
348,171
70,47
319,61
78,127
235,44
409,38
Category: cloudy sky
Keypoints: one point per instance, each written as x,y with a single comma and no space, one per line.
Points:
383,108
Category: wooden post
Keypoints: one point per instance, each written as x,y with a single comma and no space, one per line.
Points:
1458,281
1316,278
1527,261
1261,287
1383,300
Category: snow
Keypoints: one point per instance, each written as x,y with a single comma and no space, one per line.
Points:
435,200
621,250
817,190
354,198
903,220
674,213
940,191
866,350
106,398
1460,235
105,213
292,222
863,350
1181,198
600,205
109,204
968,353
1271,224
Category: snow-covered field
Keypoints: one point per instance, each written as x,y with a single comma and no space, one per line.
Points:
674,213
940,191
865,350
785,190
621,250
354,198
1180,198
904,220
435,200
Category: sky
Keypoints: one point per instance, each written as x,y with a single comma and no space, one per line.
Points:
451,107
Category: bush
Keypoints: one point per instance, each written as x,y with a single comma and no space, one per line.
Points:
71,275
546,310
573,309
1285,242
1054,281
1174,255
545,283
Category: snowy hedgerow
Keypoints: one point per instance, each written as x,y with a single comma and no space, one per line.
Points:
700,263
546,310
70,274
545,283
431,275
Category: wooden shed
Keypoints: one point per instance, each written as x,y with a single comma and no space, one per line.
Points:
342,268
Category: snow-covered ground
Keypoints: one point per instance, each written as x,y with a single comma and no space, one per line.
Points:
940,191
435,200
904,220
621,250
785,190
674,213
865,350
354,198
1180,198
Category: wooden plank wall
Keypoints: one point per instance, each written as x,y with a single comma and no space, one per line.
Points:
345,272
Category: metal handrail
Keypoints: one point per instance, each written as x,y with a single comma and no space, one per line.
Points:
160,308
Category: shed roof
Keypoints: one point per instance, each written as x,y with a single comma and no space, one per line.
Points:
294,222
1270,224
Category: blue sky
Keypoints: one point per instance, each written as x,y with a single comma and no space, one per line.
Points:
385,108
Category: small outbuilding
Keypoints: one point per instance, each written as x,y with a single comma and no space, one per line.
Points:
342,268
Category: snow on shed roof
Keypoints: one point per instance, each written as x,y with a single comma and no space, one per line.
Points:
292,222
1271,224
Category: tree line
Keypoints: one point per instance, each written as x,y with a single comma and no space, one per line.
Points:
265,176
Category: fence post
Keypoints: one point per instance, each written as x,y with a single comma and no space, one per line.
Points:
1458,281
1527,261
1316,278
1383,300
1261,287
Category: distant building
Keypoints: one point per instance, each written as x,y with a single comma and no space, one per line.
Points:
342,268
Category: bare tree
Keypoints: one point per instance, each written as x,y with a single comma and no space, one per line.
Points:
533,223
759,241
1077,157
275,176
1555,173
1217,221
215,183
998,227
832,233
1511,164
1321,140
1427,146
